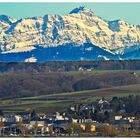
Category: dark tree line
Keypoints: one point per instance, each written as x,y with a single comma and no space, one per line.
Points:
106,80
71,66
22,84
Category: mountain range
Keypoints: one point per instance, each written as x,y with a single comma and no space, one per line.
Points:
79,35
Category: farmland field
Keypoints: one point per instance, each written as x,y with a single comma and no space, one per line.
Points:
60,101
54,86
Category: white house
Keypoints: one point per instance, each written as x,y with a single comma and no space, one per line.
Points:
18,118
118,117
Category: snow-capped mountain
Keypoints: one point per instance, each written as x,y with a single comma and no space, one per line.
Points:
80,35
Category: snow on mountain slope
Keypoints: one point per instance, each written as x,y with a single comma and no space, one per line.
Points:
31,59
61,53
18,50
80,26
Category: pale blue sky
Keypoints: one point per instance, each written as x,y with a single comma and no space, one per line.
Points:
129,12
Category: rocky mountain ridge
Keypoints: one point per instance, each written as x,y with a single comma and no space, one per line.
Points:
80,35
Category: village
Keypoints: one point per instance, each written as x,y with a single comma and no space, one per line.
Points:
101,118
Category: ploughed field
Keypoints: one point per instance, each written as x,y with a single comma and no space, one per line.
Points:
56,91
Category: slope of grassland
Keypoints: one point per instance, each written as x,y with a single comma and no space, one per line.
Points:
61,101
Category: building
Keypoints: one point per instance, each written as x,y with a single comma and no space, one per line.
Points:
18,118
7,118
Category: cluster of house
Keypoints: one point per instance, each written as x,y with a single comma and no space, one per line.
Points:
71,122
40,124
116,120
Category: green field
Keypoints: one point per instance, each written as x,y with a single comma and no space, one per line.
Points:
60,102
50,103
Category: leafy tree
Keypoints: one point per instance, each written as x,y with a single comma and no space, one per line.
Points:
33,113
1,113
106,116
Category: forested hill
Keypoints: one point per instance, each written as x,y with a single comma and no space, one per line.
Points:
71,66
32,79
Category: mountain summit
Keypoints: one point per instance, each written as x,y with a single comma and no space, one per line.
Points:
82,10
80,35
6,19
